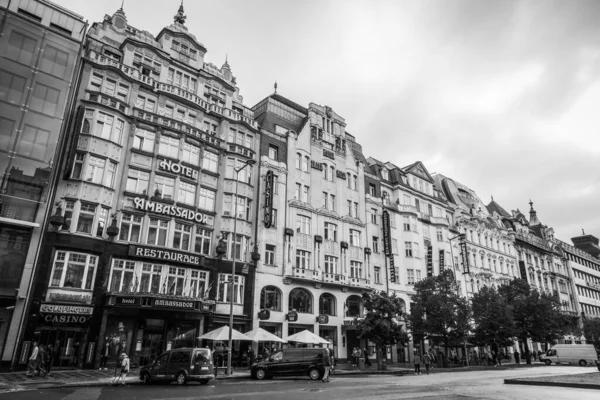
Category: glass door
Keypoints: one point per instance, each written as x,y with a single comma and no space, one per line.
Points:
152,347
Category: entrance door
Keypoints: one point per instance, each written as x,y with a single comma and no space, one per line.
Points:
352,342
67,346
152,347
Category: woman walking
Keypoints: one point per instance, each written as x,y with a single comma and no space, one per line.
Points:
417,364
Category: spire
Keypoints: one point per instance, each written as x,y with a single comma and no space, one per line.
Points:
492,197
180,17
122,4
533,219
226,65
275,86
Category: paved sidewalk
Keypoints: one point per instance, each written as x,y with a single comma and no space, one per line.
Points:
589,380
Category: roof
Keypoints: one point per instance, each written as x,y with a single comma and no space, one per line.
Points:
494,206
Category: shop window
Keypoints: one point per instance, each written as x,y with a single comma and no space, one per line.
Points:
327,304
353,306
122,277
73,270
270,298
131,226
202,240
224,289
301,301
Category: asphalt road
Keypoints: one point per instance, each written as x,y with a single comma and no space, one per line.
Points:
447,386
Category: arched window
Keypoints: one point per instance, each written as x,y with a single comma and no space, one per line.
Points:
349,180
354,306
327,304
298,161
301,300
270,298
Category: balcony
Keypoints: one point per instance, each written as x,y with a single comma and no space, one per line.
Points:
177,126
334,278
240,117
242,150
425,218
108,101
407,208
127,70
183,94
439,221
359,282
306,274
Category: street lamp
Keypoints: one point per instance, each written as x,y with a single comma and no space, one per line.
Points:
231,295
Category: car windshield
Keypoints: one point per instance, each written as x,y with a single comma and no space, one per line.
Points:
202,355
276,356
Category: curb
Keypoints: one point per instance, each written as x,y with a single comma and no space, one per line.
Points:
556,384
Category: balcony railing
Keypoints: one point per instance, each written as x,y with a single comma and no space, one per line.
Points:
306,273
127,70
334,278
361,282
184,94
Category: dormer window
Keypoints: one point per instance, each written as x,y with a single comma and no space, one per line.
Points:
385,174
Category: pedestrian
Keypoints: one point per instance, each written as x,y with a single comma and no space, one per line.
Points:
32,362
326,365
354,359
104,354
124,370
427,361
41,361
417,363
432,357
366,353
517,357
251,355
50,358
359,354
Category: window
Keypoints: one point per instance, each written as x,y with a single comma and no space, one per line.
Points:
440,234
198,284
298,161
413,224
374,216
241,247
131,226
78,166
34,143
303,224
353,306
225,289
416,249
418,275
164,187
349,180
349,205
150,278
305,192
354,238
298,191
394,246
300,300
408,249
74,270
12,88
377,274
242,209
410,276
187,193
355,269
375,244
175,281
406,223
302,259
169,147
55,61
355,210
305,164
109,174
329,201
273,152
354,182
144,140
210,161
95,169
102,220
270,254
385,174
331,265
202,240
270,298
190,154
44,98
426,231
327,304
86,217
330,231
137,181
157,232
25,47
145,103
244,175
182,237
372,190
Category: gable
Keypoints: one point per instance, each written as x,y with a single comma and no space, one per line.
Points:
419,170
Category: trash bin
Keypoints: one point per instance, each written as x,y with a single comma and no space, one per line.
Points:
361,364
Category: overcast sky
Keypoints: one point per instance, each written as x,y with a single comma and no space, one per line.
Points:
498,95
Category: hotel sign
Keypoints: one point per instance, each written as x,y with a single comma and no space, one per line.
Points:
170,166
166,255
171,210
181,304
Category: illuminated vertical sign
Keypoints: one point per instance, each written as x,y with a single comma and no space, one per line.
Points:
523,270
442,261
430,260
385,222
463,253
268,220
392,270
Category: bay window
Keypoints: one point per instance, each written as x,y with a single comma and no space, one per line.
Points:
73,270
245,175
95,169
242,210
240,247
225,289
103,125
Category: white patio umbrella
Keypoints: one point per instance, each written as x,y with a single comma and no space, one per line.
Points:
222,333
260,335
307,336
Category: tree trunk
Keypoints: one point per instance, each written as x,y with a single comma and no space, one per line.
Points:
527,352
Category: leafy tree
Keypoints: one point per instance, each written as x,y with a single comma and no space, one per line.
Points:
380,324
591,331
537,316
438,313
493,318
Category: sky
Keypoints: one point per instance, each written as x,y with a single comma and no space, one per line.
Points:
498,95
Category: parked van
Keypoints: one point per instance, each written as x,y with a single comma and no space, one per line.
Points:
581,354
303,361
180,365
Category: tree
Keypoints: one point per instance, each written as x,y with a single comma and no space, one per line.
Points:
438,313
537,316
591,331
380,324
493,318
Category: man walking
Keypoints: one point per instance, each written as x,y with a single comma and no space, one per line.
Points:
124,370
32,363
366,353
427,361
417,364
326,365
104,354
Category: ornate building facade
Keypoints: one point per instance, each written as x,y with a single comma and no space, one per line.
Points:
139,258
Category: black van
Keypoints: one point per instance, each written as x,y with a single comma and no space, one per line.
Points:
303,361
180,365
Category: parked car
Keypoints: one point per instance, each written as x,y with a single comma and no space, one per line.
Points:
304,361
581,354
180,365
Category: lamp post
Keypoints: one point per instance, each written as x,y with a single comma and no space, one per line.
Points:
231,295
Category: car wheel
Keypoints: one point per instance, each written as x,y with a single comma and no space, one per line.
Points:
583,363
146,379
548,362
181,378
204,382
314,374
260,374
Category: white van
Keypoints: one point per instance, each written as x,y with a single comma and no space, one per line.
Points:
581,354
